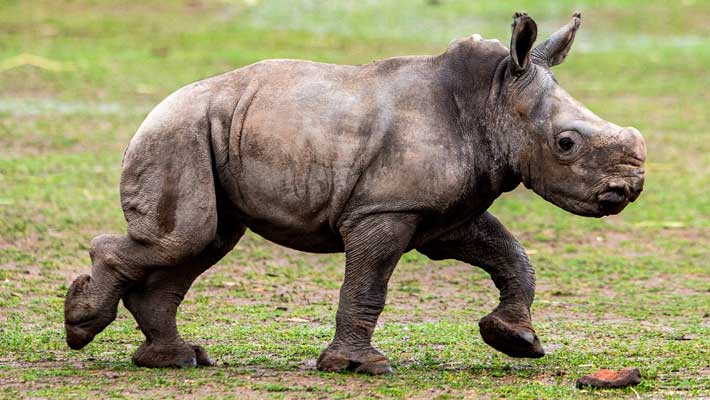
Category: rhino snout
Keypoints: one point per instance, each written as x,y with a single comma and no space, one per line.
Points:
634,145
618,193
637,156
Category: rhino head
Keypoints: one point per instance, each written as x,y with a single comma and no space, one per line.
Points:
560,149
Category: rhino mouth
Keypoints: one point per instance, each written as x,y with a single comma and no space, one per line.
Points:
612,201
608,202
618,194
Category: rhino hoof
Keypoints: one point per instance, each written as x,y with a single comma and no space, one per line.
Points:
201,357
82,321
514,341
178,355
77,337
374,364
375,368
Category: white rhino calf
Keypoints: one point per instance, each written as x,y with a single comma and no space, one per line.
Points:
372,160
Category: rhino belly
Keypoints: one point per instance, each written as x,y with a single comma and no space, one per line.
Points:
289,205
292,183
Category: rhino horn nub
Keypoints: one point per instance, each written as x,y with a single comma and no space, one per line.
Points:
553,51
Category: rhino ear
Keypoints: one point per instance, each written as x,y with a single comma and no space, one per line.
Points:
524,35
554,50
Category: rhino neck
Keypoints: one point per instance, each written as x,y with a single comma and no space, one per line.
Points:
473,76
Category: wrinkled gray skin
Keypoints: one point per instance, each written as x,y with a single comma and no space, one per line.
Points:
373,160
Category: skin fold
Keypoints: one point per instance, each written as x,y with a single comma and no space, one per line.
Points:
372,160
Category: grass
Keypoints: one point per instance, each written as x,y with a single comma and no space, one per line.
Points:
630,290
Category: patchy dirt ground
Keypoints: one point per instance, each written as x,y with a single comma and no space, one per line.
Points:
265,320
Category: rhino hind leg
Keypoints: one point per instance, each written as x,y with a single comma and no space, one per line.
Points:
119,264
154,303
92,300
169,199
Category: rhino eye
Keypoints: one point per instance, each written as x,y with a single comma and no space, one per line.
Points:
565,143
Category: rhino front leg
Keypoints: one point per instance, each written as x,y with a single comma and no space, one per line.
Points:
373,245
486,243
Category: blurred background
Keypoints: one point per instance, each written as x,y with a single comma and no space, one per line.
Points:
78,77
